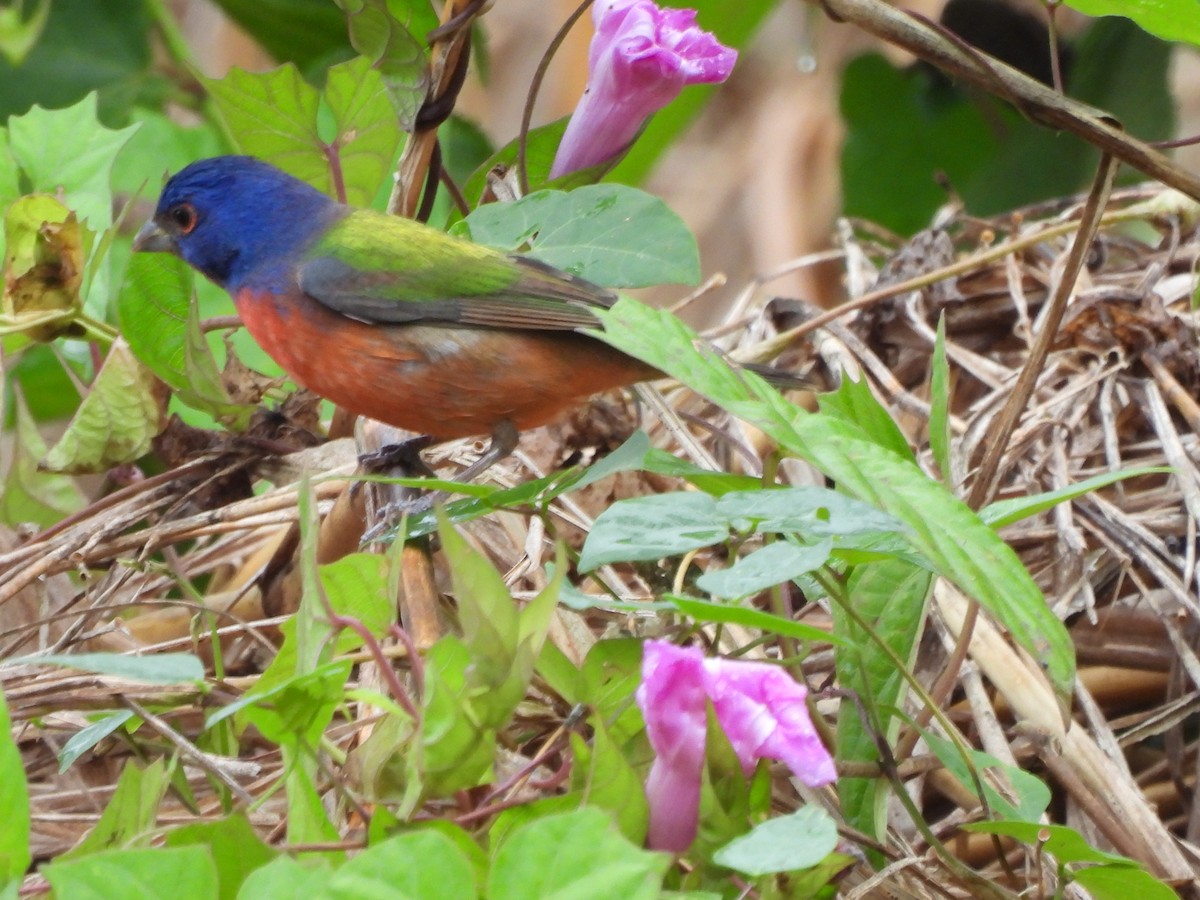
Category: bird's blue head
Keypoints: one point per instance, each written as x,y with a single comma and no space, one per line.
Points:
236,217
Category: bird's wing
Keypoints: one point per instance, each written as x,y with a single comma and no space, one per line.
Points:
385,269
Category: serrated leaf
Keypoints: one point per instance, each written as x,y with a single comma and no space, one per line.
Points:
774,564
14,800
781,844
942,529
122,412
69,149
86,46
149,874
275,116
394,52
614,235
649,528
579,855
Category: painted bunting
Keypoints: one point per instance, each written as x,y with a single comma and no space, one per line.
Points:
387,317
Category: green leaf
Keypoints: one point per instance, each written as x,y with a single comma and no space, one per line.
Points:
158,668
942,529
610,234
122,413
306,32
854,403
394,52
1032,796
651,527
603,775
20,27
808,511
774,564
1121,882
162,325
286,877
906,128
129,818
160,145
87,738
504,643
31,495
610,676
152,873
891,596
85,46
413,866
781,844
1171,20
69,150
1014,509
1065,844
577,855
296,712
456,752
704,611
14,800
274,115
235,848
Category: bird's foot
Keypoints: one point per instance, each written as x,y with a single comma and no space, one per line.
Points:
405,455
391,515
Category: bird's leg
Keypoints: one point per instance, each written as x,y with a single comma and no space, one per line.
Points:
504,441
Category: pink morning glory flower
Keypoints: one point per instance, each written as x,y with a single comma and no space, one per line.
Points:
760,708
641,57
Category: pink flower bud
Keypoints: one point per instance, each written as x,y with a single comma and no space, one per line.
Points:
641,57
760,708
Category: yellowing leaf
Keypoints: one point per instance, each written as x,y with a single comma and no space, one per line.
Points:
121,414
43,267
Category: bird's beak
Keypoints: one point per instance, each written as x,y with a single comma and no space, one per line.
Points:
152,239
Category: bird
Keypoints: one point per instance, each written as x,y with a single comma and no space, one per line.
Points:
387,317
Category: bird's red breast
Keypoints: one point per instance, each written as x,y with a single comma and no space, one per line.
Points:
448,381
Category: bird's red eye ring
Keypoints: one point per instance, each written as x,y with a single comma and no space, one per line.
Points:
184,217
